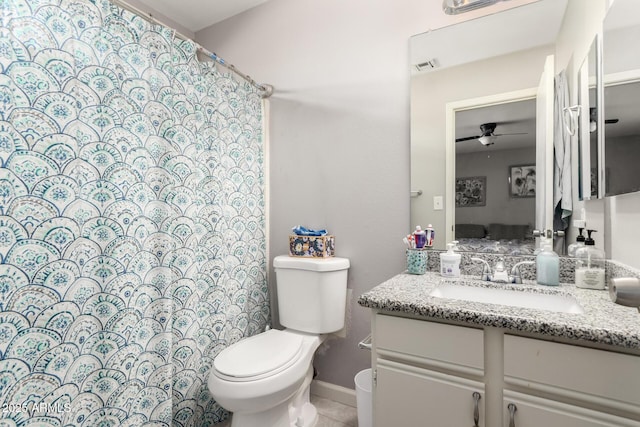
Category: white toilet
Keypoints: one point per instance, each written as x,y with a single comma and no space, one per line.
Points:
264,379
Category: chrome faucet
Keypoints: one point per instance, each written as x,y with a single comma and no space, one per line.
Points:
516,276
500,274
486,270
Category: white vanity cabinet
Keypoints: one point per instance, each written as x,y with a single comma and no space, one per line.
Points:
557,384
435,374
522,410
421,382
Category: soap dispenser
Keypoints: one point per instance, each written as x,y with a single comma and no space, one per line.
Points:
547,266
590,270
450,262
579,243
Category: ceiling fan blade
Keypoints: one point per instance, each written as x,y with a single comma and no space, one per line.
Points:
505,134
467,138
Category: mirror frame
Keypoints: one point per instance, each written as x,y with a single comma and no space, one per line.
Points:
584,164
450,136
600,116
584,86
587,82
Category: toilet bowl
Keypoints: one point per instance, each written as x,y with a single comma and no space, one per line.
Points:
264,379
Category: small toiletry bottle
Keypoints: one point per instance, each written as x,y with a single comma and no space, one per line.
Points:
430,235
548,266
450,262
420,237
579,243
590,270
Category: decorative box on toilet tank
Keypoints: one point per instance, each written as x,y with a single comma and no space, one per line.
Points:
312,246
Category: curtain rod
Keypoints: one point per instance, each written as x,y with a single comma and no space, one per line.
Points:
266,89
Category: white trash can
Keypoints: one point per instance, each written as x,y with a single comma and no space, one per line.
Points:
364,404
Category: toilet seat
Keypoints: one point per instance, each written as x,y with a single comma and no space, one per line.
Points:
259,356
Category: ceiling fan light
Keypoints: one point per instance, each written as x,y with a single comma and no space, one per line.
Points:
487,139
592,126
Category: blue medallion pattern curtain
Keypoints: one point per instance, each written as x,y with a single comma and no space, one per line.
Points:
132,219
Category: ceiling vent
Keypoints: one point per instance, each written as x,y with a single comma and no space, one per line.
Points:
428,65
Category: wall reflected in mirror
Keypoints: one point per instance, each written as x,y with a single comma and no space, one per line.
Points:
495,156
621,66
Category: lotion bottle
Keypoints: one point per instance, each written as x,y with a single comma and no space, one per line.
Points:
548,266
590,270
450,262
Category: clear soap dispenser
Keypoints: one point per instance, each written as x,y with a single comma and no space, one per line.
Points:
590,270
548,266
579,243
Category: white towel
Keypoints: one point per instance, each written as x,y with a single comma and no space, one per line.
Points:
562,156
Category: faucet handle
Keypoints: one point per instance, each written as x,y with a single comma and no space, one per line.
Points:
486,269
516,276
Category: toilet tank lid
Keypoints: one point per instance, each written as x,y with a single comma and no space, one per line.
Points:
312,264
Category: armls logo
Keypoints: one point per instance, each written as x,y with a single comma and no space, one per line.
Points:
37,408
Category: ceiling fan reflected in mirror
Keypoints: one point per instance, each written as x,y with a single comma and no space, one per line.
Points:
593,120
487,137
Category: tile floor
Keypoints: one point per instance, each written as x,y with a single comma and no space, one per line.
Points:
331,414
334,414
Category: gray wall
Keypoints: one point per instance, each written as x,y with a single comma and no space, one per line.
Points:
340,126
622,155
339,136
500,208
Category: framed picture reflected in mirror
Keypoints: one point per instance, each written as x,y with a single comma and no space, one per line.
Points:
471,191
522,181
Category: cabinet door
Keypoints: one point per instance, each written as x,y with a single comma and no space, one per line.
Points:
531,411
414,397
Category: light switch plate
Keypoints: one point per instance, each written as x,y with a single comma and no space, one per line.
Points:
438,203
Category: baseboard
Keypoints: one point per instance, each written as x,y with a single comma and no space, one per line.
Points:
337,393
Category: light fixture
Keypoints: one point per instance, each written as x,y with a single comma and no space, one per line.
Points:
454,7
487,139
592,126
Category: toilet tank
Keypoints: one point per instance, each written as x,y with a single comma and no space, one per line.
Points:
312,293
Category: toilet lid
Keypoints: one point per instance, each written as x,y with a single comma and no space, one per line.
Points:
260,354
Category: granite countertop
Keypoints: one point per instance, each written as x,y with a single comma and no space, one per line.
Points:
602,321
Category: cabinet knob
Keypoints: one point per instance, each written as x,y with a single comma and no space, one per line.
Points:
476,409
512,414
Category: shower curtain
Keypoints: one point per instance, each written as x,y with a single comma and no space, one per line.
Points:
132,219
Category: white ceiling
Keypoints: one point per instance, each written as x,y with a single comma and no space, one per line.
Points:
198,14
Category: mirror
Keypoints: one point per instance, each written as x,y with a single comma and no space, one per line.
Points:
512,61
621,78
495,202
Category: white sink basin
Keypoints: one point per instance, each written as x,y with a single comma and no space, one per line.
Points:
509,297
